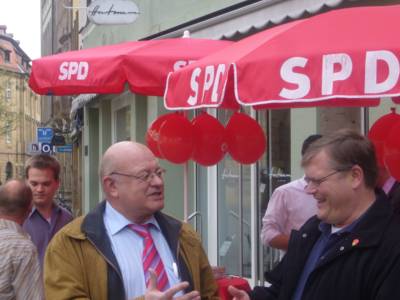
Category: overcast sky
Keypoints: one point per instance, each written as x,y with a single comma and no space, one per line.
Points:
22,18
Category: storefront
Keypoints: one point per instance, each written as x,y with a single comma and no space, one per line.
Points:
226,201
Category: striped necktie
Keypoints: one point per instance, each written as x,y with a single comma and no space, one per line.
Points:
150,257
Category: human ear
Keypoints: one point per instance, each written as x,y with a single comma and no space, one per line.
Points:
357,176
109,186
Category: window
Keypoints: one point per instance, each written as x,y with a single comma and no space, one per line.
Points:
8,132
9,170
8,94
7,56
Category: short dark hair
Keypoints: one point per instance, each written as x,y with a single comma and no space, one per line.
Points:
308,141
43,161
15,198
346,148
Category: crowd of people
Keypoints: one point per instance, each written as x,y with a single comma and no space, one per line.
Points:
338,226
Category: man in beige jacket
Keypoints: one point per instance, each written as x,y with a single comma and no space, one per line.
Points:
99,256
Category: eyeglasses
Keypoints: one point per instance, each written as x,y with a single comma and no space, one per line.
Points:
313,182
146,176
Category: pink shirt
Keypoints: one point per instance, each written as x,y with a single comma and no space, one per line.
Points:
289,207
388,185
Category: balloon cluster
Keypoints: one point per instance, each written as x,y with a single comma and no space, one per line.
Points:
384,134
205,140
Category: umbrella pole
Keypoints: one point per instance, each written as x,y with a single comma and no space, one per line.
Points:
185,191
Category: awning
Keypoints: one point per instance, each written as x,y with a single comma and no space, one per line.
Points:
233,22
79,102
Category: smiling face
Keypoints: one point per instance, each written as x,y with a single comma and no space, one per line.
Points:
336,201
137,199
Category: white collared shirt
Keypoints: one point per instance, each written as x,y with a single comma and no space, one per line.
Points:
128,247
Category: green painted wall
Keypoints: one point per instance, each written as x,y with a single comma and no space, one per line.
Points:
153,19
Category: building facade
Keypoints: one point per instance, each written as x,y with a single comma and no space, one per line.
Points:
19,108
59,33
226,201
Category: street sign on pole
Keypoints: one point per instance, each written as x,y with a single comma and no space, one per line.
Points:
45,134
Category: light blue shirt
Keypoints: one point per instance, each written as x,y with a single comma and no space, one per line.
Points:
128,247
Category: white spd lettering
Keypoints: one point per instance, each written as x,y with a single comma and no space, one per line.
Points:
339,67
70,69
301,80
211,78
329,76
371,65
181,63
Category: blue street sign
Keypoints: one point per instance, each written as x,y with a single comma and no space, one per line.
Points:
65,148
44,134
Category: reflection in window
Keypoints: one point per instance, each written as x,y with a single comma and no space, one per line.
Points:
234,239
123,124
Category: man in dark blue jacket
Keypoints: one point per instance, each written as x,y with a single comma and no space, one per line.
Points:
351,249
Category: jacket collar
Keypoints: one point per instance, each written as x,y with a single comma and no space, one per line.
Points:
93,227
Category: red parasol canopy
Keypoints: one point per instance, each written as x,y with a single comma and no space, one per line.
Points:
350,55
106,69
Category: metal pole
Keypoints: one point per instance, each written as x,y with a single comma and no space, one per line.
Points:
185,191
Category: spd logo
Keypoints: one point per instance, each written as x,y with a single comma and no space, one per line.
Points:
73,70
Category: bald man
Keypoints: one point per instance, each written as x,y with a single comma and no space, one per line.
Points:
20,274
127,248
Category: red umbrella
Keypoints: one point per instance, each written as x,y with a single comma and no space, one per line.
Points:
349,55
106,69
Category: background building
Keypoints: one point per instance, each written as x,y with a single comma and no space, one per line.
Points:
20,111
59,33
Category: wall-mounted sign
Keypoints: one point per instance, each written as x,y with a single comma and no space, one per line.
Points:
45,134
112,12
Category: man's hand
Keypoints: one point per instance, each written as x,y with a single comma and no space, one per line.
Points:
238,294
152,293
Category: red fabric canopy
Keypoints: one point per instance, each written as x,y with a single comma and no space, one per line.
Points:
350,55
144,65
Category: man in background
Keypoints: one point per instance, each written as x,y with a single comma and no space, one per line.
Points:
390,186
20,273
289,207
42,174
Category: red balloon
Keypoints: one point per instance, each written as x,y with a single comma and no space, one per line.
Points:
176,139
392,152
245,139
379,133
396,100
209,140
153,134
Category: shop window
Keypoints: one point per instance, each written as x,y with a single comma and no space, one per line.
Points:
123,124
234,213
274,170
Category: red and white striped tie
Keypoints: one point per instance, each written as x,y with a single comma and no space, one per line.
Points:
150,257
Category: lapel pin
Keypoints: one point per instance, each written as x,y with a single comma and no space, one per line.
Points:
355,242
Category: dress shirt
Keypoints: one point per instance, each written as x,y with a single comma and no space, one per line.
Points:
20,273
288,208
42,231
128,247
